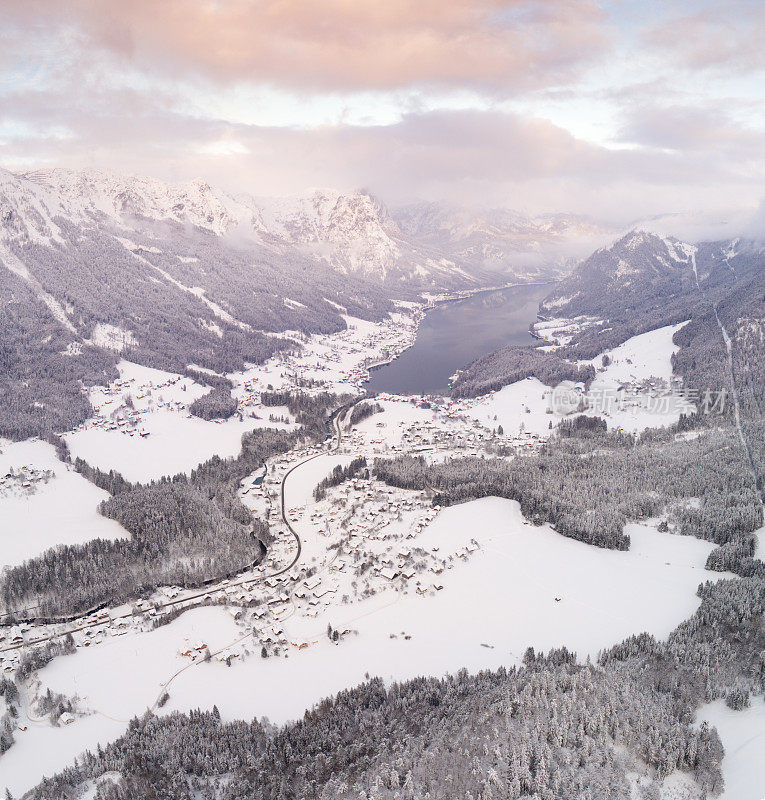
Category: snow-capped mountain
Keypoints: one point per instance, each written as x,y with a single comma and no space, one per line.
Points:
637,267
352,233
96,197
644,281
504,240
355,234
427,246
174,274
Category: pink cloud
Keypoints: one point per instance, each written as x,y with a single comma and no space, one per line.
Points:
708,34
499,45
692,128
487,157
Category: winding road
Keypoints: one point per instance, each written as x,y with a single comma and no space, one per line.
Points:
337,428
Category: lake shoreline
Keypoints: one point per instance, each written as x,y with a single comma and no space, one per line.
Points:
432,368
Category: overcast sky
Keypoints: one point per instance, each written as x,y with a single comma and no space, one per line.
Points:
617,109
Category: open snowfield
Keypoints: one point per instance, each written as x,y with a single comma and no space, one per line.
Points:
633,364
398,414
520,406
743,736
491,608
98,676
174,441
642,366
299,486
643,356
61,510
175,444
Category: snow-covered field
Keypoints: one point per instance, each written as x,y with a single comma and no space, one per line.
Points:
632,392
59,507
300,485
644,356
521,406
98,677
743,737
176,444
485,584
640,370
155,435
525,586
398,414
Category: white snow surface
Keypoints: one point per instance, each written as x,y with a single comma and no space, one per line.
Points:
144,661
176,441
642,365
520,406
743,737
112,337
491,608
643,356
63,510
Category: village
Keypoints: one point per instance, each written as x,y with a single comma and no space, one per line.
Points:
24,479
361,540
357,566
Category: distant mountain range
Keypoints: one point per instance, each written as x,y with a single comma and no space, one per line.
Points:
94,264
644,272
504,241
432,245
189,273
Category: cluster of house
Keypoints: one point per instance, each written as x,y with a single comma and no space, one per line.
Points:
338,361
114,410
373,530
561,331
448,430
25,479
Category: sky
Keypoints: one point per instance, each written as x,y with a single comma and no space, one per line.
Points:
615,109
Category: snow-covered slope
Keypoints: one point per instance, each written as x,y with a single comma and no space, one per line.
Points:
428,245
644,272
634,268
31,202
353,233
168,275
504,240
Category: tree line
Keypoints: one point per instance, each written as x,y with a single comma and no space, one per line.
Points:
553,728
589,482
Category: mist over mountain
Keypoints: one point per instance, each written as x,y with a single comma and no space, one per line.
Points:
502,240
642,271
96,265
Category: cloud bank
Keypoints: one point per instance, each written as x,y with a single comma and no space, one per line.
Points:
611,109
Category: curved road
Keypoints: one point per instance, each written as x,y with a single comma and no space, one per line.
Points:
171,603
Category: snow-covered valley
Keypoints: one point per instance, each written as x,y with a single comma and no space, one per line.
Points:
410,589
523,586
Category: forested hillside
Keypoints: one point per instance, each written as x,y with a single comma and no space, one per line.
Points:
587,486
185,530
157,283
555,729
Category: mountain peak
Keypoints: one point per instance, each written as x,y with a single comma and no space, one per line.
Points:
352,232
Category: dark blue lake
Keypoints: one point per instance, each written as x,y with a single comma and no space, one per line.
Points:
456,332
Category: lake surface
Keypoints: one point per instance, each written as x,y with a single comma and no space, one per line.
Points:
456,332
